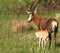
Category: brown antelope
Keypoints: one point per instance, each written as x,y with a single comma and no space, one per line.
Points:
42,35
43,23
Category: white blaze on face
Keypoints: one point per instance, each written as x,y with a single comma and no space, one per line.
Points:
30,17
54,24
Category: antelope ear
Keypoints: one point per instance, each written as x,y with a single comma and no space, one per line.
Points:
35,11
28,12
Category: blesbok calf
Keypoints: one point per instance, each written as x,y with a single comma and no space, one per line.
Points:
43,36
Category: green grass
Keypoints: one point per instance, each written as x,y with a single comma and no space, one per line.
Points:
22,41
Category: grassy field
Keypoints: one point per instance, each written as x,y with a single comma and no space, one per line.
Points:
23,41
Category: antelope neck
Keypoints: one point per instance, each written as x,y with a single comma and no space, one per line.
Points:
36,19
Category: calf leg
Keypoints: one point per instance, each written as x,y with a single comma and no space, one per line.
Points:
40,42
46,42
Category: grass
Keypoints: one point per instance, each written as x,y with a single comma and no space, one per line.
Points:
22,41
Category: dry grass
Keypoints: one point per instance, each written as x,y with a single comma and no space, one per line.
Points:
57,15
16,25
25,25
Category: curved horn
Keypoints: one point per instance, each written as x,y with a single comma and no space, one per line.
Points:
33,7
36,5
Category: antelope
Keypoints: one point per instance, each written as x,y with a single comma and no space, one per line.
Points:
42,35
43,23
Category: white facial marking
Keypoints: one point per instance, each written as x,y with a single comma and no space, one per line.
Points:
54,24
30,17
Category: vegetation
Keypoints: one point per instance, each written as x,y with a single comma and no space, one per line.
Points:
24,40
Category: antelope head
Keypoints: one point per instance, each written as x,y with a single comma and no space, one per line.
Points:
32,12
30,16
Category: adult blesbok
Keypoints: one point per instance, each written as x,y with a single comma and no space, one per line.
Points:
43,23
